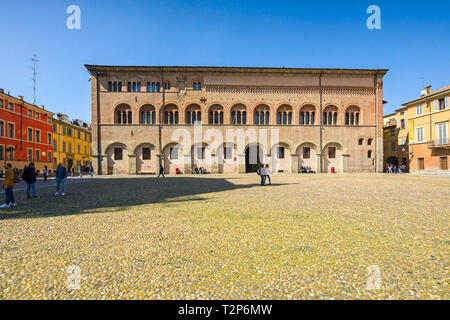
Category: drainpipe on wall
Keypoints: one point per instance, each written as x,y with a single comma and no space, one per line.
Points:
160,117
376,121
320,122
99,140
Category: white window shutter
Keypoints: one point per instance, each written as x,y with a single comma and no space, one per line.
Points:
398,123
436,105
447,106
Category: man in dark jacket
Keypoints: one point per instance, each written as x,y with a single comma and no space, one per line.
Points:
61,176
161,171
29,176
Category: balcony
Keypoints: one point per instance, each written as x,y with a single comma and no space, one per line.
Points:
440,143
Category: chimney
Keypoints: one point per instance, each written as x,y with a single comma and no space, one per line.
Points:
20,98
42,106
428,90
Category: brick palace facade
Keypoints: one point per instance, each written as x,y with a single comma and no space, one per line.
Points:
326,119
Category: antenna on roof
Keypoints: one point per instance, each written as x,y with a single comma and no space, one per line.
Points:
35,60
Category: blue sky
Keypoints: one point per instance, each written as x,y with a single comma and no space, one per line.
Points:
413,41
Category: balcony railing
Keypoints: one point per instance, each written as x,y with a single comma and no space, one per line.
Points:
440,143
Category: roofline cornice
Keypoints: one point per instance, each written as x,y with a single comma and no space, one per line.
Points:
425,98
104,68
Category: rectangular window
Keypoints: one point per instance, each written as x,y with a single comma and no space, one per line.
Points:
392,146
280,152
79,134
444,163
331,152
392,132
11,106
227,152
10,153
30,113
49,138
306,152
2,129
38,136
37,116
30,134
442,104
442,130
403,124
38,156
49,156
85,150
1,103
29,154
64,146
69,132
118,154
419,135
419,110
55,145
173,153
64,130
54,127
2,153
201,153
79,149
146,154
421,163
70,147
11,130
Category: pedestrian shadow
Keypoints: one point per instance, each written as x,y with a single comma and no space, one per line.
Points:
116,194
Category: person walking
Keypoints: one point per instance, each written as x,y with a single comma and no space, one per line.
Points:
45,171
61,176
260,172
91,171
29,176
8,184
267,174
161,171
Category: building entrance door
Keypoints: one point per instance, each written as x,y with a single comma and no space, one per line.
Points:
444,163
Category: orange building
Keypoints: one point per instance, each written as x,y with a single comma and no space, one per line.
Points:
25,133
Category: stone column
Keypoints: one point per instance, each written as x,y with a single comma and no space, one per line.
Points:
187,165
294,163
241,163
131,164
104,162
214,163
319,160
268,160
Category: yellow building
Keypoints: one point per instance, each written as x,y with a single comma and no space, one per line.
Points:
423,131
390,140
71,143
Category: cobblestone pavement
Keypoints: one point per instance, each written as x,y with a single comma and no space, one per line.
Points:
225,237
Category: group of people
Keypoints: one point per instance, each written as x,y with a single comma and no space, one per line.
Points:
391,168
200,170
29,175
306,170
264,172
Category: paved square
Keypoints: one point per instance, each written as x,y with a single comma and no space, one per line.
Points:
225,237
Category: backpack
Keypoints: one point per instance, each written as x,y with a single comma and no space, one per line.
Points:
16,178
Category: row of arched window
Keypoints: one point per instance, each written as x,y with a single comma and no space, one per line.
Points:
238,115
114,86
